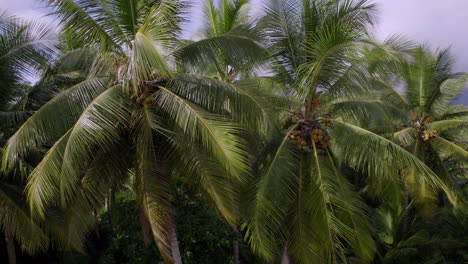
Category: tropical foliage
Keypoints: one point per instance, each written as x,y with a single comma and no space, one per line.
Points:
290,128
23,49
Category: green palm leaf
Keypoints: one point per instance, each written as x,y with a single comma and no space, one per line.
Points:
450,149
406,136
25,47
153,188
16,221
268,198
250,101
340,219
146,63
200,171
162,23
447,124
214,133
98,128
49,123
43,186
354,153
77,19
233,48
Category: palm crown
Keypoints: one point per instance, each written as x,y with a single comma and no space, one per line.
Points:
134,114
229,42
431,128
301,199
26,48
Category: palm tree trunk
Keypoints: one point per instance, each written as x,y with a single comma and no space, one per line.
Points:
175,244
108,200
405,204
235,246
96,218
106,203
10,243
285,259
236,251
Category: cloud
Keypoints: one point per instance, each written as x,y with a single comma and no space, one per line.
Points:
28,9
17,5
436,23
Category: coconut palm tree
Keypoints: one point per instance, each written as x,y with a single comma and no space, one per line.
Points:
406,236
134,114
227,44
411,238
301,200
227,47
431,128
25,46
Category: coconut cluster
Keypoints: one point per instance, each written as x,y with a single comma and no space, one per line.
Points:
421,126
422,122
144,99
427,135
306,135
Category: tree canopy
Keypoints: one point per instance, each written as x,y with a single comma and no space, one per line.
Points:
287,134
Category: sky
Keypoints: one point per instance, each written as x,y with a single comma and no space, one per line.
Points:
435,23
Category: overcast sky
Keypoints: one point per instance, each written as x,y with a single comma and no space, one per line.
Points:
437,23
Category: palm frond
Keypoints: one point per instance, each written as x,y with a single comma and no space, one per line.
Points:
98,128
450,149
153,188
326,51
447,124
43,187
355,143
366,110
250,101
286,40
77,17
16,221
68,69
267,199
391,96
162,23
335,217
25,48
49,123
214,133
233,48
406,136
428,80
449,90
199,170
454,112
9,119
146,63
122,17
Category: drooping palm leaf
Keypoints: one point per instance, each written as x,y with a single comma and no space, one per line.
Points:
98,128
268,198
50,123
153,187
83,21
356,154
220,137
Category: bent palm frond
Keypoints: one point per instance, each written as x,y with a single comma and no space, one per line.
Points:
49,123
354,142
98,128
216,134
